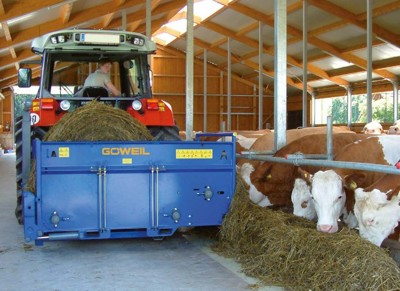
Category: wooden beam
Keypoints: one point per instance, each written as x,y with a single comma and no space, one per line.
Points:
107,20
19,8
6,30
141,14
352,18
66,12
2,10
75,19
154,4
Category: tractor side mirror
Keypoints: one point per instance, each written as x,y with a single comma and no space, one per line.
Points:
24,77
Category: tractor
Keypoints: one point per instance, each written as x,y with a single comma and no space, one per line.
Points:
67,58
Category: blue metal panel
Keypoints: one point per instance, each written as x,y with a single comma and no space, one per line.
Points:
102,190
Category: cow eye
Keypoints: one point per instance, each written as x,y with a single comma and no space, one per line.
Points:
340,197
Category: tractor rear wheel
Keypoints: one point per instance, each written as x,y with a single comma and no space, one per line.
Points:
36,133
18,166
164,132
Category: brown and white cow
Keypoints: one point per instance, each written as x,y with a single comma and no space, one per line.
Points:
271,183
303,205
244,139
395,128
373,127
377,209
327,188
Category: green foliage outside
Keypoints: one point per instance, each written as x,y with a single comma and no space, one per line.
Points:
382,108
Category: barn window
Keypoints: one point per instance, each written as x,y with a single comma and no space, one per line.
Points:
382,108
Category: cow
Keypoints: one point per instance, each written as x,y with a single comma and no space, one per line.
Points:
383,149
244,139
303,205
377,209
271,183
373,127
395,128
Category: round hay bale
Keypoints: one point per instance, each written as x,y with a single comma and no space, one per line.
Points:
94,121
281,249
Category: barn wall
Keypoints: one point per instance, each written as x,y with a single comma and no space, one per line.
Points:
169,84
6,109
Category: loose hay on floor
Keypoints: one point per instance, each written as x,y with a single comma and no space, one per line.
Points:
281,249
94,121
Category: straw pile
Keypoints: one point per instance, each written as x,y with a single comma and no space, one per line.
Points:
94,121
281,249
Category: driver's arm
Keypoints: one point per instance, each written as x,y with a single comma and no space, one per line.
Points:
113,89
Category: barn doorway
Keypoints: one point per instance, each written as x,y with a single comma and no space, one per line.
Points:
294,119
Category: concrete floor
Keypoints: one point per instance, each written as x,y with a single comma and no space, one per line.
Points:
181,262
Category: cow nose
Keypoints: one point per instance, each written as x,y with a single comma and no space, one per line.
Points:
325,227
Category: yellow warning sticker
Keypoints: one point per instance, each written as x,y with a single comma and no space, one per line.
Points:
194,154
126,161
63,152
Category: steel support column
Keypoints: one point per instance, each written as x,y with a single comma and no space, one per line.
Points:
189,70
280,63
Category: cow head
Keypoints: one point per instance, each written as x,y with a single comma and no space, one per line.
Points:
377,215
328,198
394,129
373,127
303,205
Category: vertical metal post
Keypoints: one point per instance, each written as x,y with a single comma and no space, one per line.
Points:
205,90
369,60
189,70
329,143
313,109
123,19
229,96
280,92
148,28
260,77
148,18
305,62
26,141
349,105
395,99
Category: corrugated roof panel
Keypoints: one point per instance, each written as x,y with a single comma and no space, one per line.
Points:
232,20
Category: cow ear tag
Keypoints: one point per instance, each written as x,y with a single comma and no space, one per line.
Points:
353,185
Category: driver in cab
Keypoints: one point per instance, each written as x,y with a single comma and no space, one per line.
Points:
101,78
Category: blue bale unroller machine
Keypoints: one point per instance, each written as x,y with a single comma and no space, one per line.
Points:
108,190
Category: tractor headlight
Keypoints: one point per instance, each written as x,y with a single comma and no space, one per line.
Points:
137,105
65,105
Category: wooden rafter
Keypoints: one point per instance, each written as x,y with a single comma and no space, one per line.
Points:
6,30
270,51
154,4
19,8
352,18
107,20
322,45
66,12
2,10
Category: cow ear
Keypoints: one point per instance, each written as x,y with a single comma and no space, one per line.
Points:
353,181
306,176
393,193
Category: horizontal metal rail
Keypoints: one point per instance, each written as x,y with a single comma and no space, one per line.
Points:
298,160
